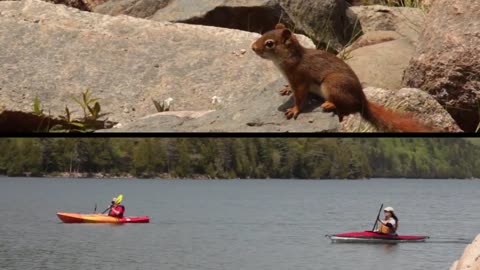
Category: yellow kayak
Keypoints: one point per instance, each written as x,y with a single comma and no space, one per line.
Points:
99,218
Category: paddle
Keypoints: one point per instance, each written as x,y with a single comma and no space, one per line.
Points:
118,200
378,216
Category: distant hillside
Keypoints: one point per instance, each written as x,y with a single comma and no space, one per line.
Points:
475,141
302,158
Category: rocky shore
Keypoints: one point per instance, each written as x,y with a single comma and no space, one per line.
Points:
80,175
130,53
471,257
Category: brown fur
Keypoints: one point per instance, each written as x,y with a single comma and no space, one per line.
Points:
338,84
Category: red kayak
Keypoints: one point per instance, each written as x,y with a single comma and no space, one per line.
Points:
374,237
99,218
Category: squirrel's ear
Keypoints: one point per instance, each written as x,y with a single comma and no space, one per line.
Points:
280,26
286,35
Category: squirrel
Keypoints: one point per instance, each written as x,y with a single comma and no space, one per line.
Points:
324,74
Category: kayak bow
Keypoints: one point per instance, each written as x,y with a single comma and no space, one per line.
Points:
99,218
374,237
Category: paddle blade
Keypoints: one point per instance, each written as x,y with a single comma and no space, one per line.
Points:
119,199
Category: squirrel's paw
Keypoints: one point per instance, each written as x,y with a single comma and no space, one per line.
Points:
292,112
286,91
328,106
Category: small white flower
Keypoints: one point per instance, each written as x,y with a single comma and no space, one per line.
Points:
216,100
168,103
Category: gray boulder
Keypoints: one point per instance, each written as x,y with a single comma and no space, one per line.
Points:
55,53
372,38
329,22
135,8
85,5
447,61
262,110
382,64
427,4
407,22
469,258
382,54
80,4
248,15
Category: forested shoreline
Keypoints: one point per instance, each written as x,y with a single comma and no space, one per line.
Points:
228,158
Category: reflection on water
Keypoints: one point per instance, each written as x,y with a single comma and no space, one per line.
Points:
264,224
389,248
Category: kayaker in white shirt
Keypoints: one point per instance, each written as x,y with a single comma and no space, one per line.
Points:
390,224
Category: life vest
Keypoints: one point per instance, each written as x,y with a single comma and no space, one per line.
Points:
387,230
117,211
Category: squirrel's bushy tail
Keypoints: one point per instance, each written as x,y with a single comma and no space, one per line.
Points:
392,121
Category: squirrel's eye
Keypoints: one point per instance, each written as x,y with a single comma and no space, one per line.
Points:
269,43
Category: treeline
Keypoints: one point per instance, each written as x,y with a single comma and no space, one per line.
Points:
301,158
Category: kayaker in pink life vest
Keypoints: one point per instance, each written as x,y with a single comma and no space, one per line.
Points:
116,210
390,224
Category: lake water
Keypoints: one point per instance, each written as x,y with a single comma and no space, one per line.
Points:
240,224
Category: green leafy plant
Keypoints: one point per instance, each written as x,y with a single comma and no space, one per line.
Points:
91,115
92,112
44,121
91,107
36,107
70,124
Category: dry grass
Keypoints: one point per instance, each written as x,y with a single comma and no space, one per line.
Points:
394,3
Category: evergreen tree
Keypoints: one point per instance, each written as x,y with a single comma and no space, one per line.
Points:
287,158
